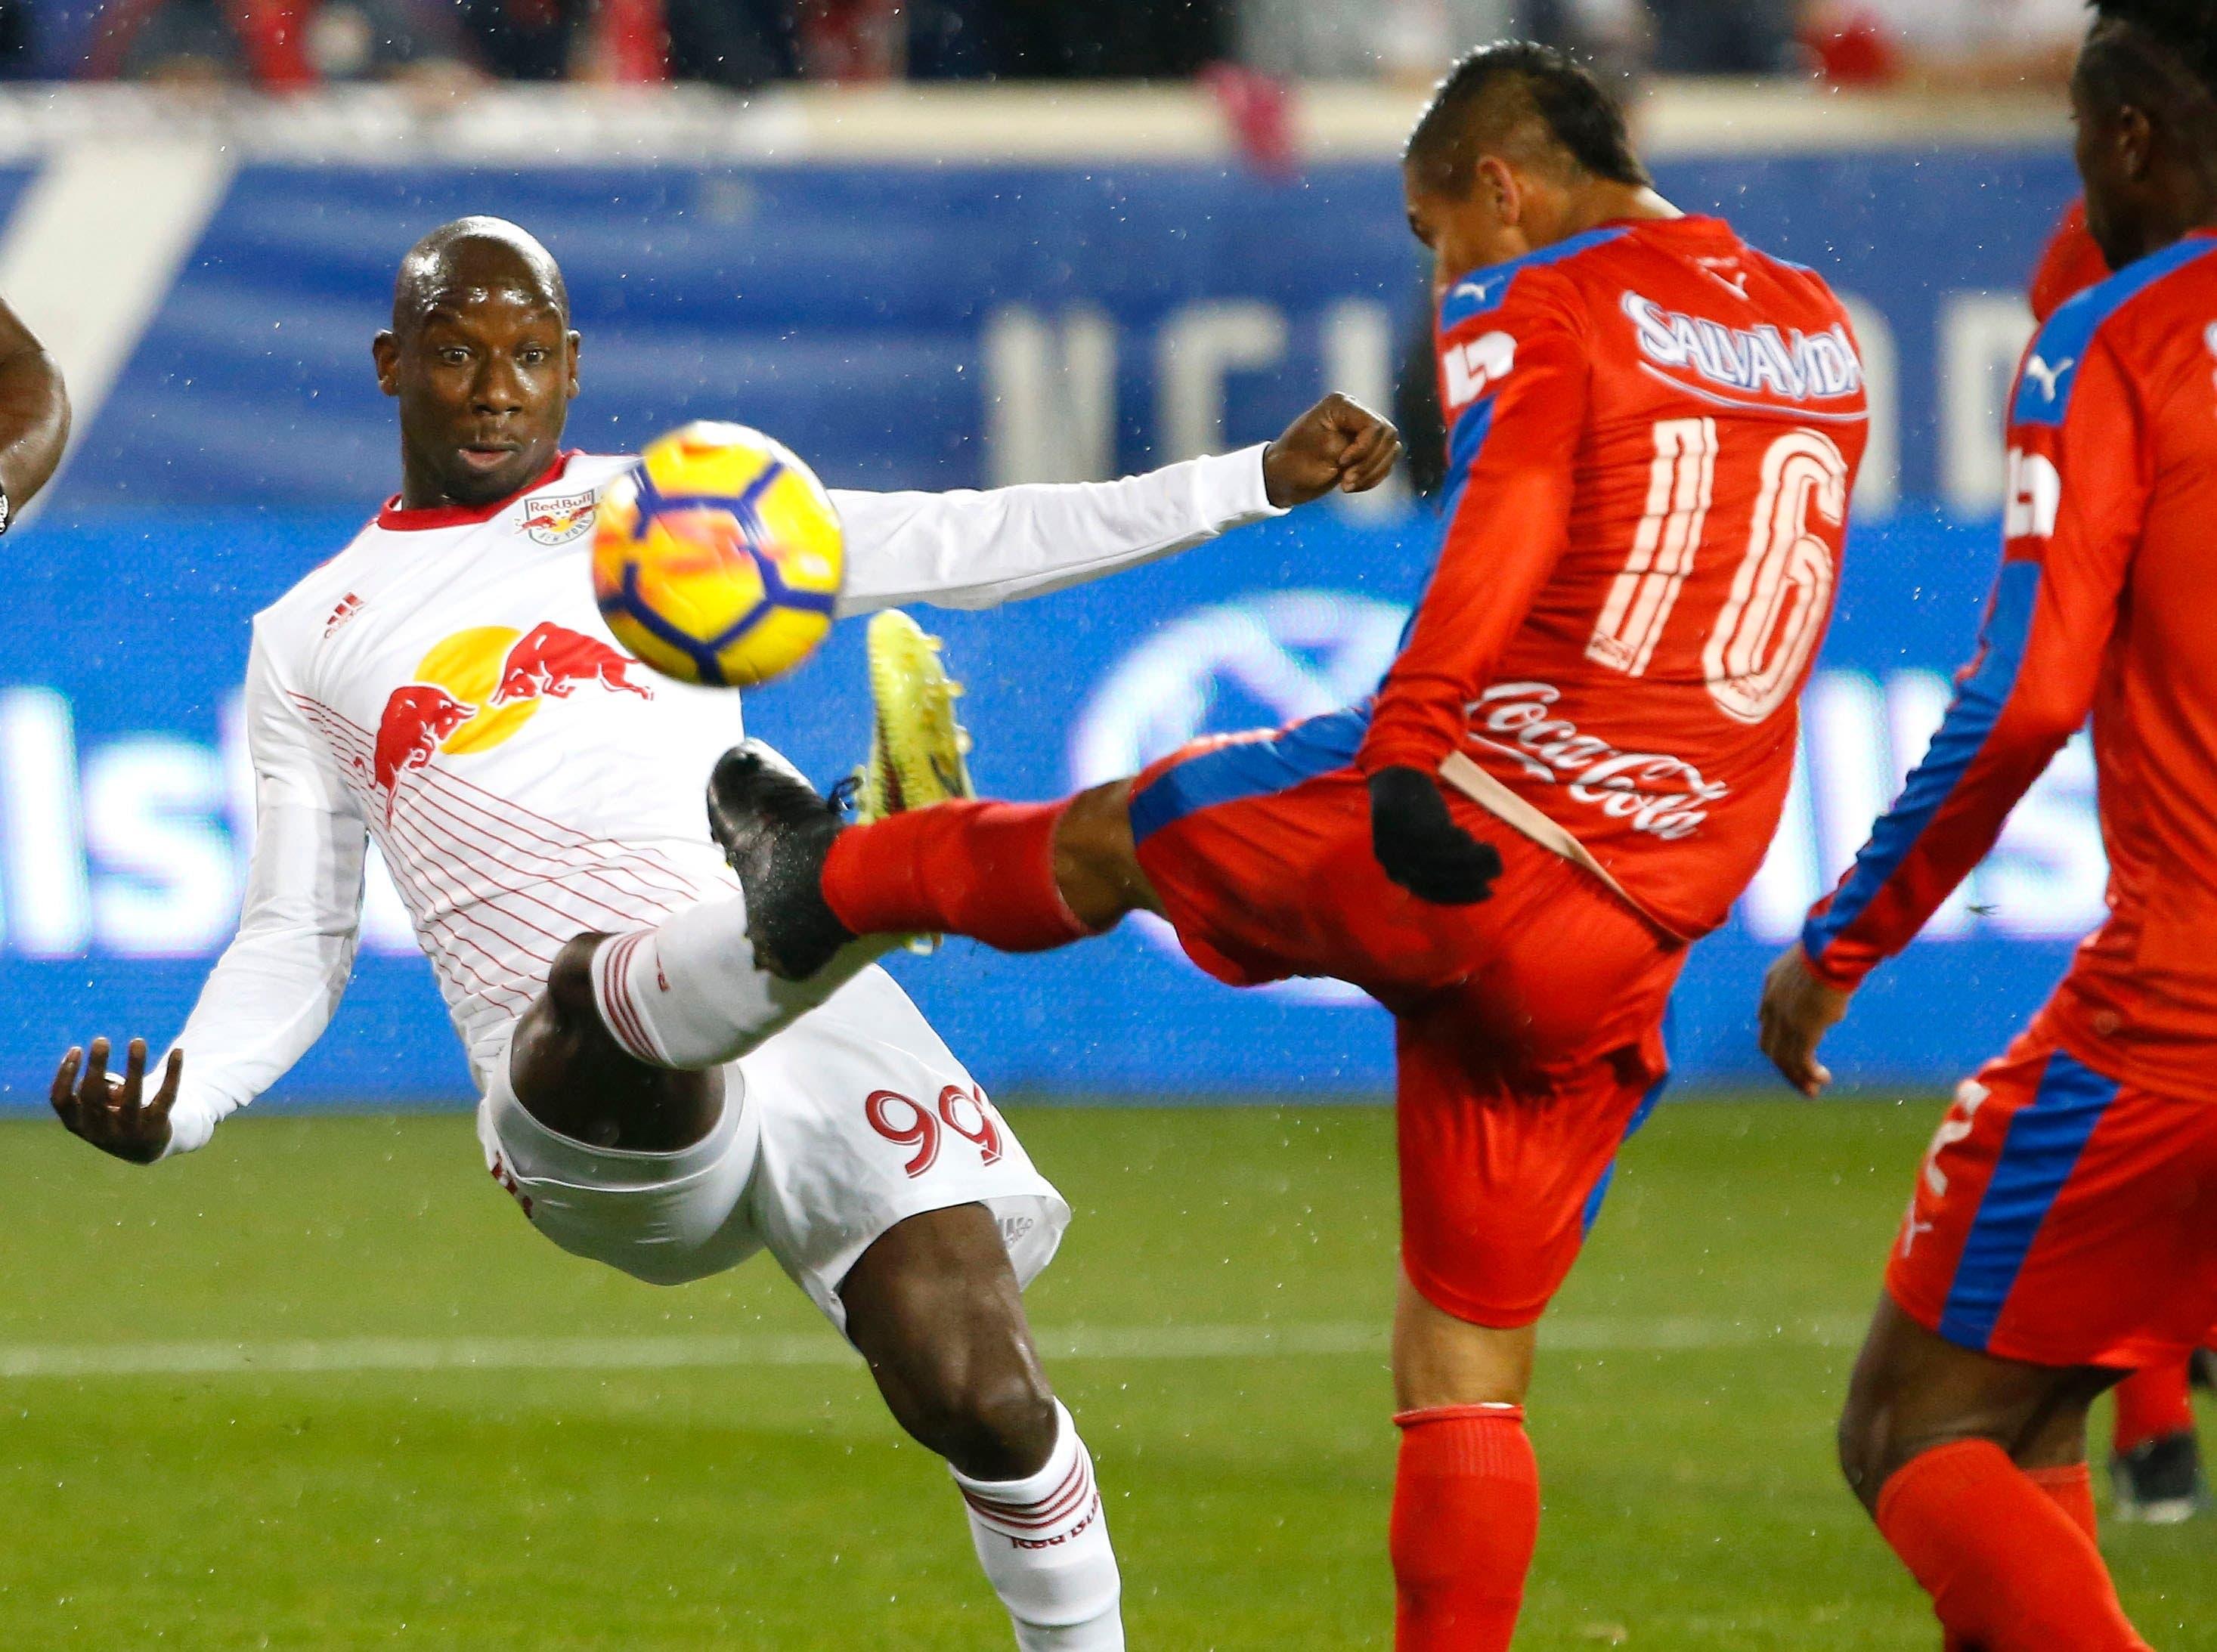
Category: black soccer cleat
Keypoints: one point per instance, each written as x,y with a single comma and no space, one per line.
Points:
2158,1481
774,830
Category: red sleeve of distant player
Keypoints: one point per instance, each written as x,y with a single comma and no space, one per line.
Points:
1513,384
2078,493
2069,264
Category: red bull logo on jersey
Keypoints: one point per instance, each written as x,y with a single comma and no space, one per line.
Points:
1758,360
552,660
559,519
478,688
418,718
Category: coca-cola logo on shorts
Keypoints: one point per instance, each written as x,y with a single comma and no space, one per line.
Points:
1651,791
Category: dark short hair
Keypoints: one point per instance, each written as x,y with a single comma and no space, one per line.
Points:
2159,56
1500,87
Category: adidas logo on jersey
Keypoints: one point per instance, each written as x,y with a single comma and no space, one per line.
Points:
349,605
1800,366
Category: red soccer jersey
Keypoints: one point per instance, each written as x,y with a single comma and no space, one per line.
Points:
2105,602
2069,264
1654,432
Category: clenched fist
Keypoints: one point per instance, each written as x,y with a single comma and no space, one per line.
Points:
1338,443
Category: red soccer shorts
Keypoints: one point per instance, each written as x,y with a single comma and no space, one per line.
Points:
1530,1036
2063,1217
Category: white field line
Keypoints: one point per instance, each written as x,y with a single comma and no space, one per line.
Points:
389,1354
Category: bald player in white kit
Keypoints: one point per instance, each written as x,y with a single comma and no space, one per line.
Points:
445,688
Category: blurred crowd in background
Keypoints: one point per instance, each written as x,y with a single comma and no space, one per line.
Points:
282,44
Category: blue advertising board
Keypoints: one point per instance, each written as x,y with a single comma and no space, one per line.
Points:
884,321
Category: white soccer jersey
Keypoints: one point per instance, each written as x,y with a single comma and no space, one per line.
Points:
445,687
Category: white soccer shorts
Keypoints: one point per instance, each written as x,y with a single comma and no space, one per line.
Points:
850,1120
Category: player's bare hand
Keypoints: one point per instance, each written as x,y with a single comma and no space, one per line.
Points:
1338,443
1798,1010
115,1115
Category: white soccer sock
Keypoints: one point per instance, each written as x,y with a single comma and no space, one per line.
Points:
689,994
1044,1543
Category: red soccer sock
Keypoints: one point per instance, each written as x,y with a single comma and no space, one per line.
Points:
2071,1490
979,869
2007,1569
2152,1404
1466,1515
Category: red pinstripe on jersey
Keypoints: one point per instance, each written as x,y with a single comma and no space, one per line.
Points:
495,889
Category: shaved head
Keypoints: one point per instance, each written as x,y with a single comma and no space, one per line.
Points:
481,358
1526,103
475,256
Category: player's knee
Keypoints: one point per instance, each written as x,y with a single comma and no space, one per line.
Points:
1096,863
1874,1441
994,1422
1857,1443
570,978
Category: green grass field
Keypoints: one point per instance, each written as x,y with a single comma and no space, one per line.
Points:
706,1468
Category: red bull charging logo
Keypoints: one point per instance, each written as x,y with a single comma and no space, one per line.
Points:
477,688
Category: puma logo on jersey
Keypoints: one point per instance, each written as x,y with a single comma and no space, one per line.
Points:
1475,366
1714,269
1476,291
2034,368
1798,366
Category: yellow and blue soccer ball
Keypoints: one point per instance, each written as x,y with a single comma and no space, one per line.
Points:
717,558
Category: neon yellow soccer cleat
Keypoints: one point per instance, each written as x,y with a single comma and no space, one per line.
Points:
916,747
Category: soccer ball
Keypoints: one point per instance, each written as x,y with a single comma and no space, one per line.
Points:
717,558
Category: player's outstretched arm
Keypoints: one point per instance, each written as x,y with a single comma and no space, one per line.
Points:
974,549
275,989
35,411
115,1115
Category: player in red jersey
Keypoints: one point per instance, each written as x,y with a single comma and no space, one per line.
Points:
1574,768
2155,1461
2071,262
2063,1226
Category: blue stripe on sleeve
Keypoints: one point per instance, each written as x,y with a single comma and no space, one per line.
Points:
2039,1152
2043,389
1472,427
1971,717
1250,769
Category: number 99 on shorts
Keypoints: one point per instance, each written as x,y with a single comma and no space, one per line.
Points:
908,1123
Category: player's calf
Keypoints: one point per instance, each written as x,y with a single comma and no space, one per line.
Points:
1974,1469
935,1307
